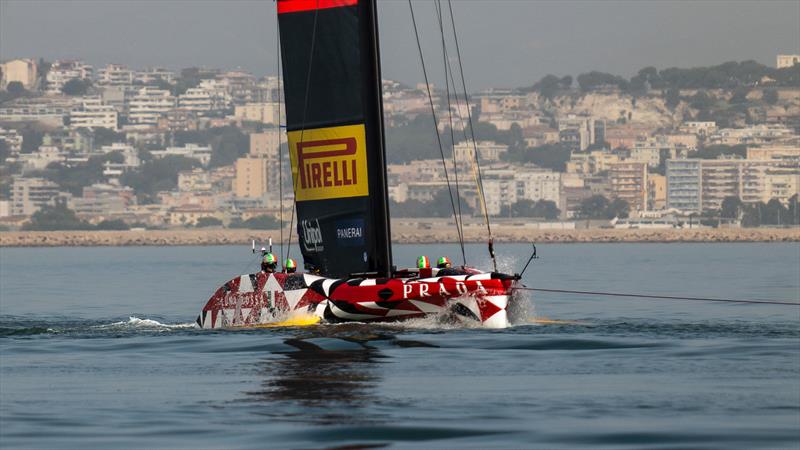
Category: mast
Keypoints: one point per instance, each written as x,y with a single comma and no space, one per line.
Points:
374,119
334,121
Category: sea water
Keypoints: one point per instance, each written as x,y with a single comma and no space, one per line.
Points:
98,349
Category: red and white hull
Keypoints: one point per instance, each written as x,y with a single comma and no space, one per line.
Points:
262,298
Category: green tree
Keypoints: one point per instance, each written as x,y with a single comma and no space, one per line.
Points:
770,96
262,222
549,156
74,178
157,175
58,217
227,145
31,139
672,98
105,136
528,208
115,224
730,208
617,208
76,86
593,207
717,150
16,89
5,151
204,222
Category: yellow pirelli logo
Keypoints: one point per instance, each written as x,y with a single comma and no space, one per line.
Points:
329,162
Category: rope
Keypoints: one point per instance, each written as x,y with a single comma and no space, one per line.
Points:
278,128
435,121
460,219
478,175
661,297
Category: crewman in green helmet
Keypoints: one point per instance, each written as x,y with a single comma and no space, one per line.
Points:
290,265
268,263
444,263
423,262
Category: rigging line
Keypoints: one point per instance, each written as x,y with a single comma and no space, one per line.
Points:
278,128
460,218
435,121
662,297
302,125
472,129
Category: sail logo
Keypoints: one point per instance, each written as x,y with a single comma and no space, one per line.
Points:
329,162
312,235
350,233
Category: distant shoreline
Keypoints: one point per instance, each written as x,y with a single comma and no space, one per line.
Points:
401,235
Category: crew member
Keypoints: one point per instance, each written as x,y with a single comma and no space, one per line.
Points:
444,263
290,266
268,263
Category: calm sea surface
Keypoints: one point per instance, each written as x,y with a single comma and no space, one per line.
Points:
97,349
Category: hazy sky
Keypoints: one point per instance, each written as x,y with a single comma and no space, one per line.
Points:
504,43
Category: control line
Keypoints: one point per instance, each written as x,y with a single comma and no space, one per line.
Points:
663,297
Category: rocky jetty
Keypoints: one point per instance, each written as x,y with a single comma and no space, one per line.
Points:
405,235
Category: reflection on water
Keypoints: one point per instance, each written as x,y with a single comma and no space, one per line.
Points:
328,377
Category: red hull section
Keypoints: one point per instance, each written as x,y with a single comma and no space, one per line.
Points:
263,298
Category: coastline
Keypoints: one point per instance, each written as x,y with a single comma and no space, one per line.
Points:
400,235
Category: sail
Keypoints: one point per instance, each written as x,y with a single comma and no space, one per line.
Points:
334,121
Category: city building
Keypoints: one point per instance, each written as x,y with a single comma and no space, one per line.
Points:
28,195
194,180
656,192
20,70
784,61
628,182
684,185
153,75
115,75
696,185
148,105
194,151
201,100
92,113
579,132
62,71
49,111
505,186
487,150
266,113
12,139
251,177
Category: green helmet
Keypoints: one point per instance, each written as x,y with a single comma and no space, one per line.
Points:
290,265
269,258
423,262
443,263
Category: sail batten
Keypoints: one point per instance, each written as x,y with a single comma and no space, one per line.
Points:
335,131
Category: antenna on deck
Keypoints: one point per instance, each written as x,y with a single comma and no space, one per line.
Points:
263,249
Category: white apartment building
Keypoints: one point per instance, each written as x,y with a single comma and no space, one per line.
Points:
92,113
28,195
504,187
12,139
148,105
702,184
115,75
62,71
487,150
153,75
41,158
201,100
50,111
194,151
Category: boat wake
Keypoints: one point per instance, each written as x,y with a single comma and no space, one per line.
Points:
134,322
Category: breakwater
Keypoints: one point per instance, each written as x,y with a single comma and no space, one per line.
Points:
402,234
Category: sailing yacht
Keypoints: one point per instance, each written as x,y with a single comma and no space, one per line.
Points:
335,130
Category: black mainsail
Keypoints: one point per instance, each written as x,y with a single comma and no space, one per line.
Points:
334,121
